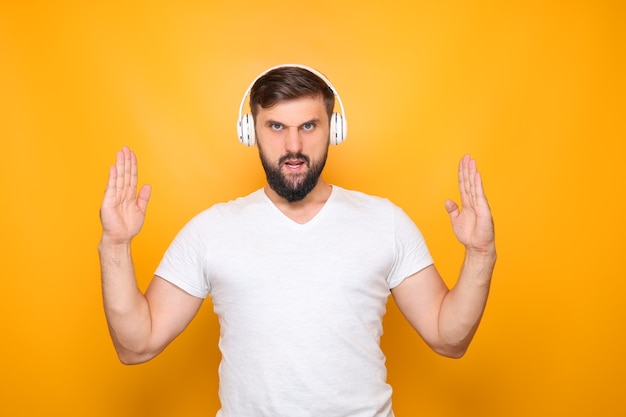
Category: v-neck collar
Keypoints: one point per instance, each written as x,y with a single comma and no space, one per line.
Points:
320,214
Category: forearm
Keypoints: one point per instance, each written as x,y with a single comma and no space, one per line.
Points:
463,306
127,310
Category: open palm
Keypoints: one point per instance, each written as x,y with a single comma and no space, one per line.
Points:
123,210
472,223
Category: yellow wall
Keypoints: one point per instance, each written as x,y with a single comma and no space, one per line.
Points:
534,90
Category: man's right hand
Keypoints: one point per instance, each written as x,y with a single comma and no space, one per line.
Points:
123,210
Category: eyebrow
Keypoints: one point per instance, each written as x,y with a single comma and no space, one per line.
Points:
270,122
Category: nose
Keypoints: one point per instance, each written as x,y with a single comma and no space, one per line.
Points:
293,141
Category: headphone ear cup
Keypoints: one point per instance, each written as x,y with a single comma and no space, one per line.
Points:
336,129
246,130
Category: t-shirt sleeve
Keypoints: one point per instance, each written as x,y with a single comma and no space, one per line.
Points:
183,262
412,254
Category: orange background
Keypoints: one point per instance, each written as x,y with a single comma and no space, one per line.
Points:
534,90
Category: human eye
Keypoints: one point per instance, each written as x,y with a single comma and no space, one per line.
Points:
308,126
276,126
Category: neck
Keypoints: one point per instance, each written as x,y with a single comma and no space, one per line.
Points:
304,210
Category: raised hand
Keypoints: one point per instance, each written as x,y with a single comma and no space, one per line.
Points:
123,210
472,223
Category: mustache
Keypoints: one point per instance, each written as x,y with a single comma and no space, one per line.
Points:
298,155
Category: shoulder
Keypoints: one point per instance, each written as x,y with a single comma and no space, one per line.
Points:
223,213
358,197
370,207
233,207
362,201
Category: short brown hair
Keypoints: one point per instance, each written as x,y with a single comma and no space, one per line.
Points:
288,83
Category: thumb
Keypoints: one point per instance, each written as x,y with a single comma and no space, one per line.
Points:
453,209
143,197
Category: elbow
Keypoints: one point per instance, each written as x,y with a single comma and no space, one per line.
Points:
129,360
451,352
130,357
454,345
132,351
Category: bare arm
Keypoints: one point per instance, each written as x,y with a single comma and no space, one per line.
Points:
141,325
447,319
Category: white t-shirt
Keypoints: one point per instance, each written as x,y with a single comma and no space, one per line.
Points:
300,306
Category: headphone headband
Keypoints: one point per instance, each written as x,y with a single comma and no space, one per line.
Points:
245,122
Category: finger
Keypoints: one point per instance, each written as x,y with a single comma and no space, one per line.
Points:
119,172
111,181
471,179
464,181
133,171
452,208
481,199
143,197
127,173
478,186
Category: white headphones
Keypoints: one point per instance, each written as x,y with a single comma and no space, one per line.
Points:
338,124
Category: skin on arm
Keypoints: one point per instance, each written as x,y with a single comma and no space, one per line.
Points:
141,326
447,319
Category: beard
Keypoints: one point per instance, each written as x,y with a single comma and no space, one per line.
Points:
292,187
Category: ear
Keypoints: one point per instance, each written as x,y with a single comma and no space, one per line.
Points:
336,129
245,130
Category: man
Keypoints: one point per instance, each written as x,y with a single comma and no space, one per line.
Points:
299,272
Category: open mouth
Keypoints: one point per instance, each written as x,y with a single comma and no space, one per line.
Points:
294,163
